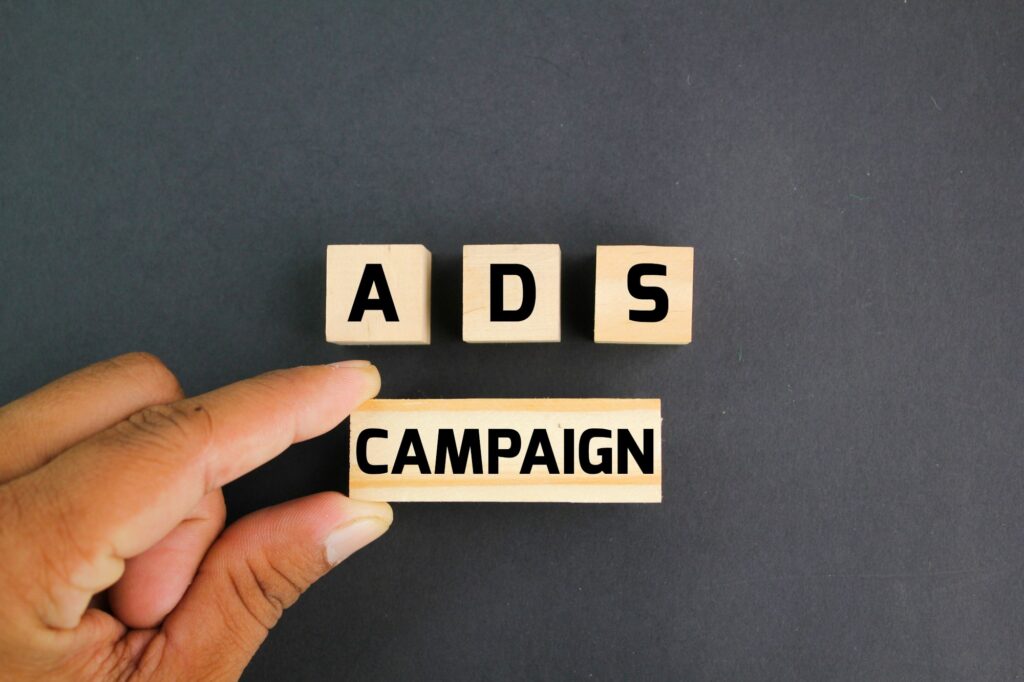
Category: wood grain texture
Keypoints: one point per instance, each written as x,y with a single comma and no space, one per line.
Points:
545,322
613,301
556,418
407,270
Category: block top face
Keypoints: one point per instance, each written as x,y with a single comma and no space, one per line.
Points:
364,280
643,294
511,293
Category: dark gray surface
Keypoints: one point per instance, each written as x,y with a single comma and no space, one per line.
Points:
843,470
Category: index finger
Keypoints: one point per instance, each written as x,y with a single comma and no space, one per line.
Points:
117,493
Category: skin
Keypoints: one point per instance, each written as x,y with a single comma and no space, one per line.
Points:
115,561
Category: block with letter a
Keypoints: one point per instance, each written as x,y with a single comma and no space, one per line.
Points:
511,293
643,294
378,294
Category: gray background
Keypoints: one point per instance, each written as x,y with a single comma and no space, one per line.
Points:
843,470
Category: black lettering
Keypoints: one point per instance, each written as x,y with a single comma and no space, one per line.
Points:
498,273
494,449
373,278
569,452
538,444
604,466
410,451
460,455
656,294
643,457
361,460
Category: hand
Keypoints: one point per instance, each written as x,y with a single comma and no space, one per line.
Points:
110,493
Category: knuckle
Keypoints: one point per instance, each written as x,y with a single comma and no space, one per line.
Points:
139,359
264,590
169,426
48,572
62,559
151,372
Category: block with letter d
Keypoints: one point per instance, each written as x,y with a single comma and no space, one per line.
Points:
378,294
643,294
511,293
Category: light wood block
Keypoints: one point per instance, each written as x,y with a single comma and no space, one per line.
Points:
643,294
524,273
499,450
364,280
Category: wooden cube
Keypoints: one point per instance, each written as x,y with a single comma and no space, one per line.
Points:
511,293
378,294
643,294
506,450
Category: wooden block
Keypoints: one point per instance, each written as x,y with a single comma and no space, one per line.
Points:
378,294
497,450
643,294
511,293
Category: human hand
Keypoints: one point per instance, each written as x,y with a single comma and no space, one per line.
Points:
110,494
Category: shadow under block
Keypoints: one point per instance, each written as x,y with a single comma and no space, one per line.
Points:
511,293
378,294
643,294
506,450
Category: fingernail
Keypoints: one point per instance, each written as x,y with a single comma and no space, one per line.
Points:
370,374
352,363
347,539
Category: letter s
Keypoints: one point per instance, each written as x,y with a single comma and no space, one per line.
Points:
640,291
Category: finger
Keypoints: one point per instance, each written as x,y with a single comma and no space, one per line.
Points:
258,568
154,581
49,420
115,495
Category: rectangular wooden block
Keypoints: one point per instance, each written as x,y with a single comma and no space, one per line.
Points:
643,294
511,293
504,450
378,294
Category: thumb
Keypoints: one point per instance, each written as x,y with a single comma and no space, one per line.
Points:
258,568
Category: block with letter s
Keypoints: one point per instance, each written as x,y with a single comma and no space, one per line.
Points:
643,294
